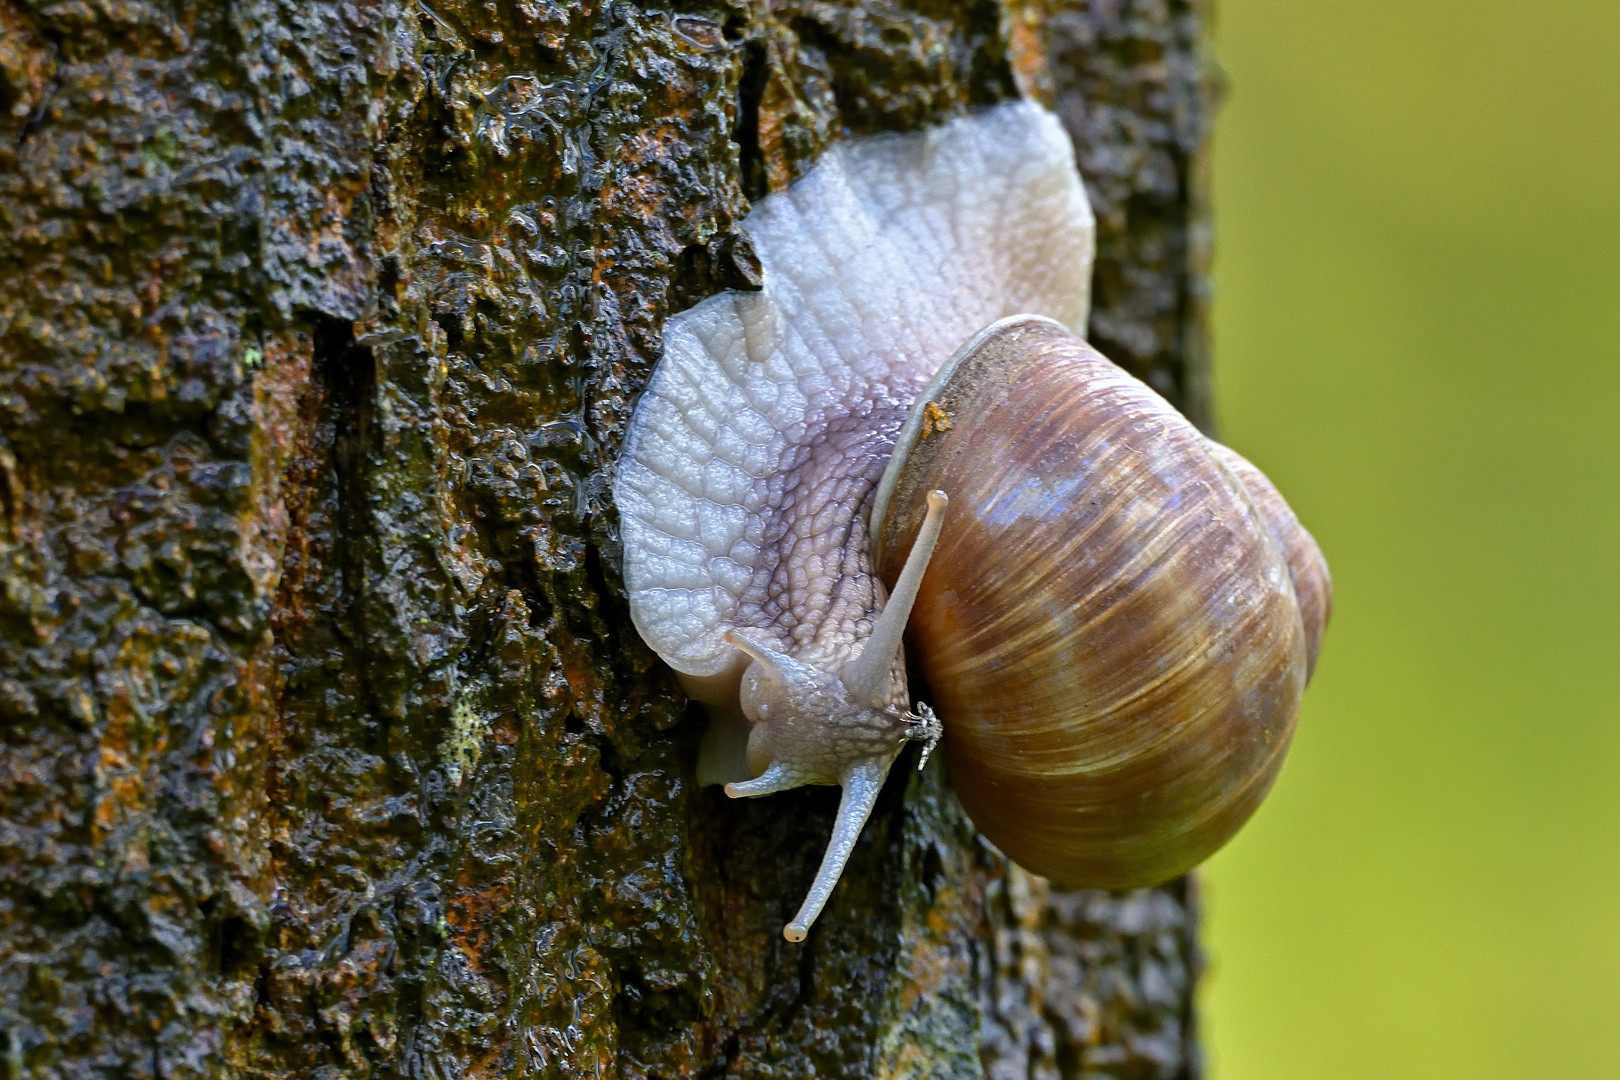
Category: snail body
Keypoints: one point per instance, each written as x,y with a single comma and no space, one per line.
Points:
752,463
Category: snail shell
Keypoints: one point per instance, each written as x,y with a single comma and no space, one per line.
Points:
1108,628
1313,585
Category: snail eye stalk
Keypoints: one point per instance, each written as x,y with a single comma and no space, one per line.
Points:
867,676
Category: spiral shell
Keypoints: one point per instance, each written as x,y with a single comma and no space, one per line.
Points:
1108,628
1313,585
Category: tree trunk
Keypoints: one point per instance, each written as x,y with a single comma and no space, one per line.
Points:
329,750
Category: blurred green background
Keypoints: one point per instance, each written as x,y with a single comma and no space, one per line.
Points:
1418,336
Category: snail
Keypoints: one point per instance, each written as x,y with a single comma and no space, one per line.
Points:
764,564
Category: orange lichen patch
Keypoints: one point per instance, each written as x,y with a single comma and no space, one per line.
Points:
914,1060
303,543
586,685
1023,23
930,968
281,378
507,729
777,104
122,796
638,195
641,189
931,957
27,65
471,916
155,666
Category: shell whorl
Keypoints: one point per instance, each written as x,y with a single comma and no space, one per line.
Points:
1108,631
1313,584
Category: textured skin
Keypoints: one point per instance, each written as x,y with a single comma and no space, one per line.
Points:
770,416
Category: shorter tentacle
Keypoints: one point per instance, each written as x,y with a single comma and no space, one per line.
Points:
776,778
861,787
778,667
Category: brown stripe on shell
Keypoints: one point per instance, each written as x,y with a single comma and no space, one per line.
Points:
1313,585
1107,628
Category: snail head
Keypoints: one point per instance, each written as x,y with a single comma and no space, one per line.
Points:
811,725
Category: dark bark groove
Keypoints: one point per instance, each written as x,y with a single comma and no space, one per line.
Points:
328,748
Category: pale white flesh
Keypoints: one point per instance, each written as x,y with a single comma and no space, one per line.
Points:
749,466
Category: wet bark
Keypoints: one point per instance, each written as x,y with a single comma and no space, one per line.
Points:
328,750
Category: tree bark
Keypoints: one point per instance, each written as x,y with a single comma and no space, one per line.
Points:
328,748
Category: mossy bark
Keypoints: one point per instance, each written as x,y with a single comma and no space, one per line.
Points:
328,749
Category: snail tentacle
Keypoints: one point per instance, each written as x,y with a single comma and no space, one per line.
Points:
776,778
862,783
779,671
867,676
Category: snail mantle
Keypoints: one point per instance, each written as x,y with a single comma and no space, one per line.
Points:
1115,617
